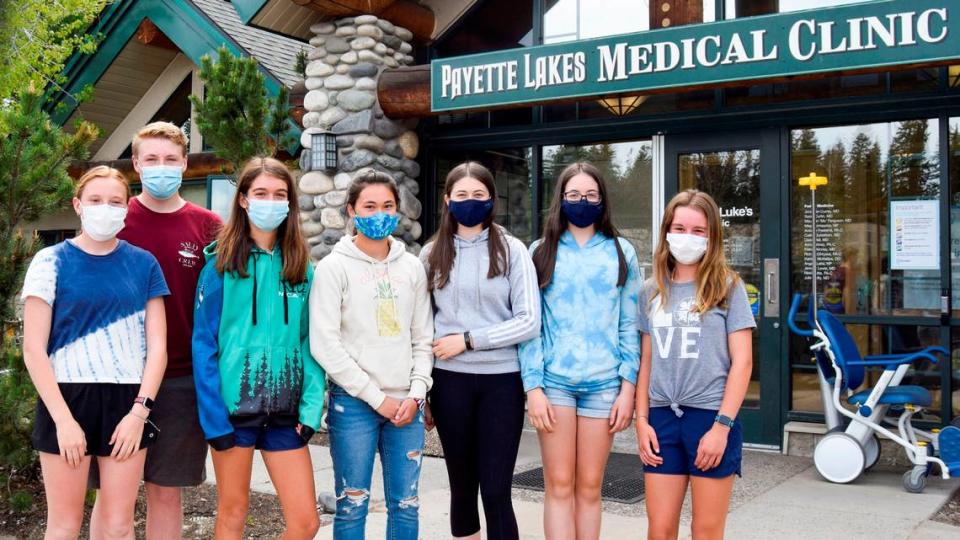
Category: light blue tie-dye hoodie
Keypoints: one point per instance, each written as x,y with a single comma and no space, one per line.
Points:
588,340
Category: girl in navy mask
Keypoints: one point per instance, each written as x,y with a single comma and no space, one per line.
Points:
580,372
486,301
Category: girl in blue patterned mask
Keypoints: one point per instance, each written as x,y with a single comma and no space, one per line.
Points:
371,329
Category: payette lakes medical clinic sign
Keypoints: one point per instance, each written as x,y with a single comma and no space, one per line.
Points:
857,36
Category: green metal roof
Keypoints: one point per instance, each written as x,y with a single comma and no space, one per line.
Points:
196,27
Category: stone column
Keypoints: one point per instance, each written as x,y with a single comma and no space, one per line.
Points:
344,64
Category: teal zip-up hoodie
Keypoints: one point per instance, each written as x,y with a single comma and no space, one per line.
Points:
251,351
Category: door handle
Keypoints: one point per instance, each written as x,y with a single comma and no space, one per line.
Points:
772,293
771,286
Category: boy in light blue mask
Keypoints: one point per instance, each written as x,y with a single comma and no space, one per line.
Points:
174,231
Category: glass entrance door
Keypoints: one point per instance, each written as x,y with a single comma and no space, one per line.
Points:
741,172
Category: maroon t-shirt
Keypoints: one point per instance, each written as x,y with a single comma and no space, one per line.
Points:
177,240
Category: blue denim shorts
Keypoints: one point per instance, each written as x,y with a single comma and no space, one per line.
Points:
679,438
594,404
270,439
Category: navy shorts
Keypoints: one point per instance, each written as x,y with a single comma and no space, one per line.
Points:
679,438
269,439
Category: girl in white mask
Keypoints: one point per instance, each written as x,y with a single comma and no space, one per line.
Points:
94,342
696,356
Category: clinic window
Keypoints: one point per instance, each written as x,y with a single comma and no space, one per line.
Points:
571,20
511,172
878,238
735,9
627,169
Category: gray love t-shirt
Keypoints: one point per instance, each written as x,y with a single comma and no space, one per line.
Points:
691,359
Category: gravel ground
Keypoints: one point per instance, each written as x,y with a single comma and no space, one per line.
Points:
949,513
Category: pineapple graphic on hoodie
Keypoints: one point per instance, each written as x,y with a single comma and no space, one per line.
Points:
371,324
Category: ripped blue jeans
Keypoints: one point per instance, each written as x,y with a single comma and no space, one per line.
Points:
357,433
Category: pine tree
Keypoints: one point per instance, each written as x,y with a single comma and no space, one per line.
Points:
233,113
243,397
34,155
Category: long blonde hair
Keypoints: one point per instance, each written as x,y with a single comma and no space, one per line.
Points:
714,276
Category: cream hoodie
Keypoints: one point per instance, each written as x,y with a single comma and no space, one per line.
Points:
371,324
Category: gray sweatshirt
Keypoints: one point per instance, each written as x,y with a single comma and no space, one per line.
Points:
499,313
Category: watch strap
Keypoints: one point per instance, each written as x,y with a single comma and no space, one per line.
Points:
145,401
467,340
724,420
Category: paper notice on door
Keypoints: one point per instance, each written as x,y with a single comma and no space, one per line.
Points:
915,235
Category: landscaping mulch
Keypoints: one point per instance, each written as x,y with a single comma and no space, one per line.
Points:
949,513
265,519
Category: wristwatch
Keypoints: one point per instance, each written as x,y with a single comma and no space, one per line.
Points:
467,340
724,420
145,401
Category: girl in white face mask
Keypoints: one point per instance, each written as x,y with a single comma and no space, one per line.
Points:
696,356
94,342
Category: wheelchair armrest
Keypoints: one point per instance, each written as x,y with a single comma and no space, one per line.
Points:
936,350
893,360
792,315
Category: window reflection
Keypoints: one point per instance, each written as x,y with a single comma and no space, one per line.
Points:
749,8
871,168
871,340
954,164
511,171
570,20
627,168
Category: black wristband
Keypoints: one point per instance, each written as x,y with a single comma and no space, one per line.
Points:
466,340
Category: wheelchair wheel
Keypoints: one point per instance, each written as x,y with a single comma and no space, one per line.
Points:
871,449
839,458
915,480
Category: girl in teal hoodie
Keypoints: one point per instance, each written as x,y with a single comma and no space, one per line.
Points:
258,387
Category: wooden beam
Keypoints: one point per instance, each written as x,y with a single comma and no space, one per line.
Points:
149,34
670,13
419,19
405,92
199,165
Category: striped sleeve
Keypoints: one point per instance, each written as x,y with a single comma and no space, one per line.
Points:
524,302
41,277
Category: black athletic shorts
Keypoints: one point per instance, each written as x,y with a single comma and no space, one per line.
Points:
98,408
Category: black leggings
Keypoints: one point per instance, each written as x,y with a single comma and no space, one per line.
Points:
479,419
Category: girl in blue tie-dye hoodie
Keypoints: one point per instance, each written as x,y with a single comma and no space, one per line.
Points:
580,373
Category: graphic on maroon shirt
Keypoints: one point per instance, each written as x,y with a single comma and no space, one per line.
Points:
177,240
190,254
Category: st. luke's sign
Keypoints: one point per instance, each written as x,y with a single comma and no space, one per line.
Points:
853,37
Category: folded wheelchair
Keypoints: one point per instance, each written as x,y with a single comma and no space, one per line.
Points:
849,448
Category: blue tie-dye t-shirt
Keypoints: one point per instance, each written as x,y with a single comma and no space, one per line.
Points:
99,303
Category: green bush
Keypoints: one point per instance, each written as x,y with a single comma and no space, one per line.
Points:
18,398
21,501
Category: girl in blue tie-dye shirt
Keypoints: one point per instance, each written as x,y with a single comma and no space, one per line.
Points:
579,374
95,344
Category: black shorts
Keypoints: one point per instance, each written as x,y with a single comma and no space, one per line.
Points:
98,408
179,457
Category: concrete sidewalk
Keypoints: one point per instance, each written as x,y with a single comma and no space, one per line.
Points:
779,497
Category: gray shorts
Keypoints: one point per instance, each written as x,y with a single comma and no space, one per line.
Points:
178,457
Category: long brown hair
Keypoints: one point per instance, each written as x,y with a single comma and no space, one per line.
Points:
545,256
234,243
443,252
714,276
